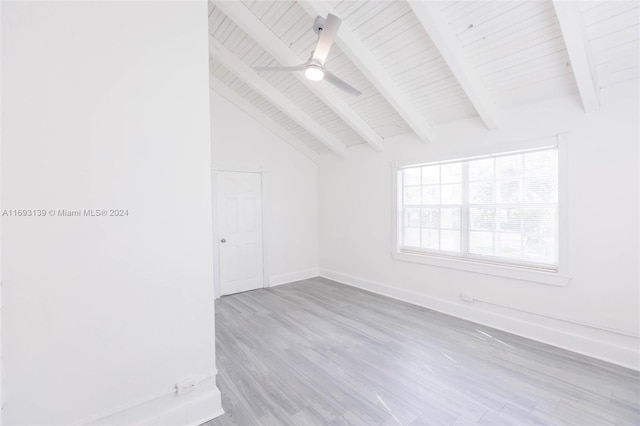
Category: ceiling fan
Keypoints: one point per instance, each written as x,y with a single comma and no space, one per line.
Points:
314,68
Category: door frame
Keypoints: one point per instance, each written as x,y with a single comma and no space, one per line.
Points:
239,168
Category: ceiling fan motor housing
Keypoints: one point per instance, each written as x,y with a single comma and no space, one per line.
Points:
318,24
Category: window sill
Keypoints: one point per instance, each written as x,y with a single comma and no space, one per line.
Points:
522,274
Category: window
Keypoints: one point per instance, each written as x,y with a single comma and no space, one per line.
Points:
500,209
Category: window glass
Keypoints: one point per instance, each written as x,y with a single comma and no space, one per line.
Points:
499,209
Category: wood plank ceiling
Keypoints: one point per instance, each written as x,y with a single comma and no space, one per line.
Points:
418,64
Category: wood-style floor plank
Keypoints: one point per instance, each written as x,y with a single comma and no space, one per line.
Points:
317,352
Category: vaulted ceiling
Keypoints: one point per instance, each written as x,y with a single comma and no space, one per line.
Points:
418,64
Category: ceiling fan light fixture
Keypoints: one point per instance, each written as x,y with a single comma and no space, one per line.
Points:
314,72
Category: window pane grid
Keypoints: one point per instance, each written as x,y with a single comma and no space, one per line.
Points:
502,209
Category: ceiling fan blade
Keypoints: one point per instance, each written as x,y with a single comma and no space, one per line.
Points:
340,84
296,68
326,39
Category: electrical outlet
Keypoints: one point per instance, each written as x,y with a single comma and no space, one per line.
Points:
187,386
467,297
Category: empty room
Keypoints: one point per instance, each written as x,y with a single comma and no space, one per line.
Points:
335,212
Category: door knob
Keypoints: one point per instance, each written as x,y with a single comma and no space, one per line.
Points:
223,240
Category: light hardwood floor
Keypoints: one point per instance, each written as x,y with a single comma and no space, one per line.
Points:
320,353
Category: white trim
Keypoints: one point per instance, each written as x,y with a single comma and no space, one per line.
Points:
521,274
265,233
240,168
217,290
195,413
193,408
235,166
576,340
564,226
396,208
291,277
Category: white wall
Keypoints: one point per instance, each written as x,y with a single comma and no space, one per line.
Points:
105,105
356,206
290,196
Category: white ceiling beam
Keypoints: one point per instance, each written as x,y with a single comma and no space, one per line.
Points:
250,24
439,30
232,96
575,39
369,65
273,95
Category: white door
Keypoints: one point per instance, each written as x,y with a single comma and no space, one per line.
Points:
239,197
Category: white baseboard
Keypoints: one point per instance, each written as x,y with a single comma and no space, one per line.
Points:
194,413
290,277
595,343
191,409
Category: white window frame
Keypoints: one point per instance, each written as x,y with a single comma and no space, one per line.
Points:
560,277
